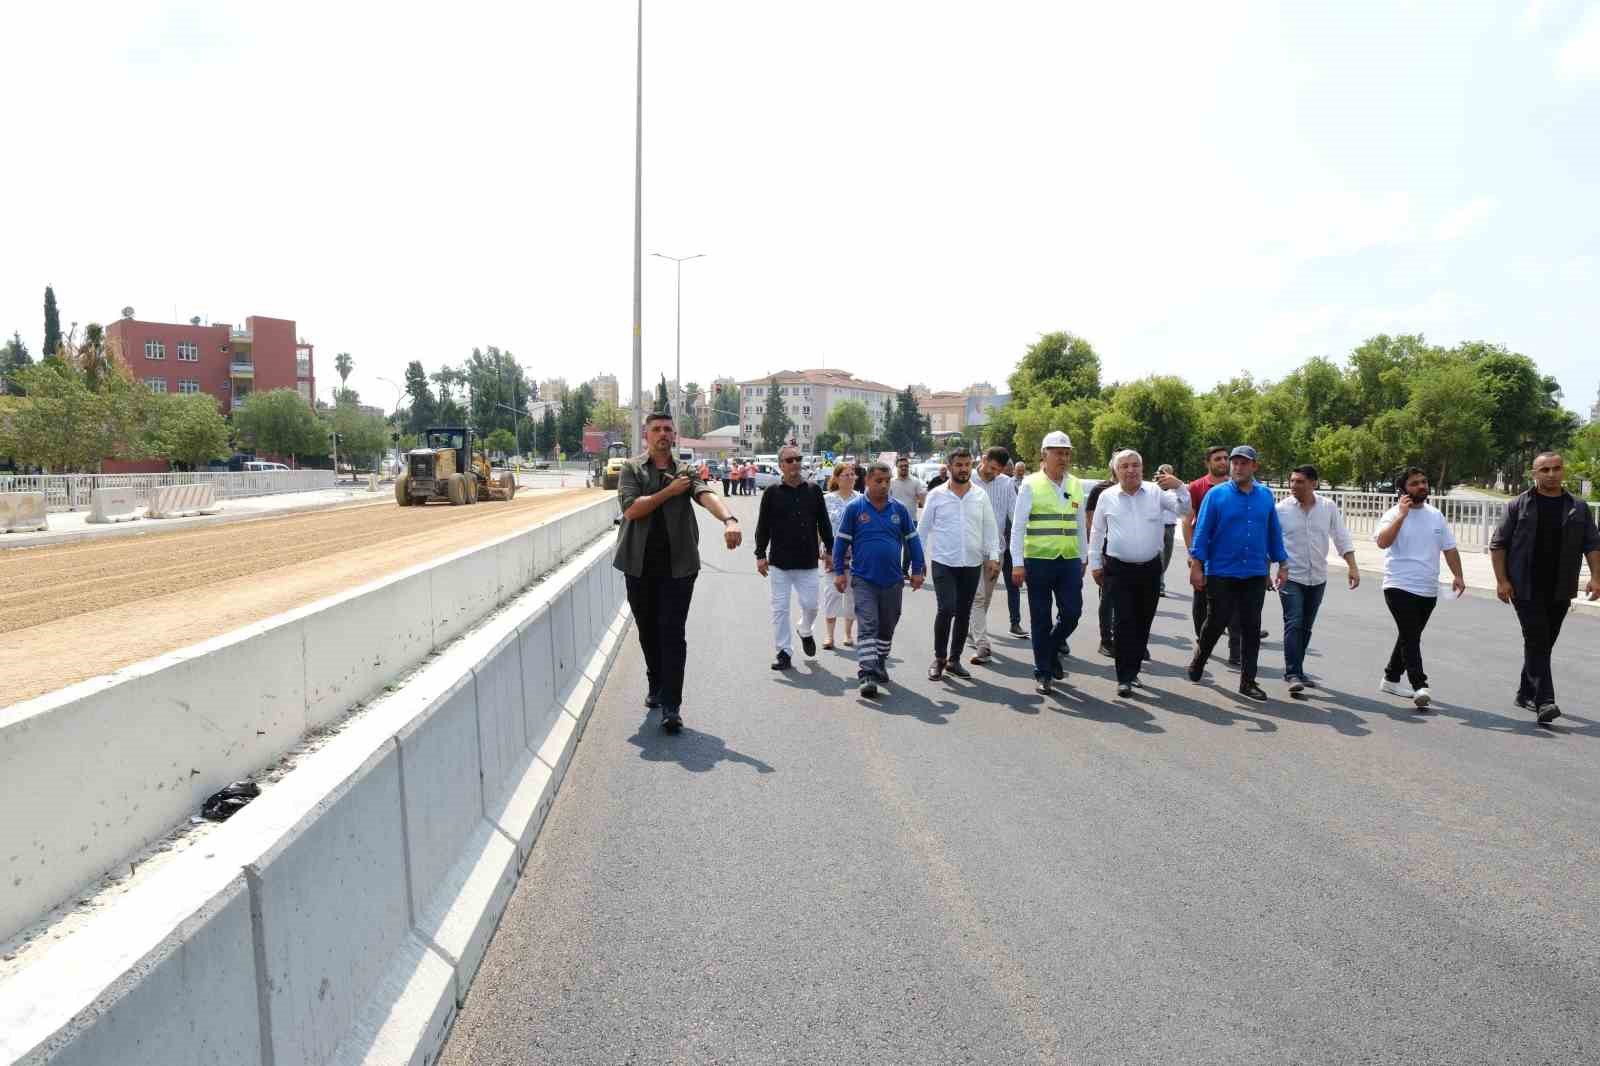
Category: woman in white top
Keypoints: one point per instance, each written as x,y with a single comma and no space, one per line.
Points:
841,492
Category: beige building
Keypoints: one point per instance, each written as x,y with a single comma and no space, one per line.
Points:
553,389
605,389
947,411
808,396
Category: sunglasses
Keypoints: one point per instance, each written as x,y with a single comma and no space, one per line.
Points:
791,459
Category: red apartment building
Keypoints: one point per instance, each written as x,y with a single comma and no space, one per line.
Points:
220,360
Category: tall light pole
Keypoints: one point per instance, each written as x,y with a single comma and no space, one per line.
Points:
398,392
677,325
638,241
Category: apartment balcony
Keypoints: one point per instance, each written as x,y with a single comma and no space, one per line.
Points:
242,368
240,336
302,369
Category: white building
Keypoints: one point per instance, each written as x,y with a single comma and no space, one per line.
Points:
1594,412
808,397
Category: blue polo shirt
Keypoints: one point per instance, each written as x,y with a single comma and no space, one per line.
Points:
1237,533
873,538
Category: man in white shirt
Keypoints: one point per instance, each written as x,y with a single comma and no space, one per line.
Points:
1125,555
961,540
1412,534
1002,492
1167,535
910,491
1309,522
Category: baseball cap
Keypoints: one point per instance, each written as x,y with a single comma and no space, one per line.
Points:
1056,439
1243,451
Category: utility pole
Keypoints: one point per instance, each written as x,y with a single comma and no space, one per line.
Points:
638,241
677,327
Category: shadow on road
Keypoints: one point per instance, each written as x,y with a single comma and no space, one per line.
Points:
692,749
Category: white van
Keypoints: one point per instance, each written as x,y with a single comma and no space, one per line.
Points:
262,466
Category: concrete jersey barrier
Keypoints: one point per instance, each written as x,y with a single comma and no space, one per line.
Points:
22,512
113,505
181,501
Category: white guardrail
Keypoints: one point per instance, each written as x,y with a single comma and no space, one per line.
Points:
75,492
1472,519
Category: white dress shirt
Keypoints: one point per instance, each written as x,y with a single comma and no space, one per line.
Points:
1131,527
959,530
1002,493
1024,507
1306,534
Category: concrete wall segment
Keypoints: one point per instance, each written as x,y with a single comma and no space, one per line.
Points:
502,717
538,675
443,793
360,641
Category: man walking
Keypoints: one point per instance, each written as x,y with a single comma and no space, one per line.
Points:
1048,538
1412,534
1216,474
875,530
1536,550
1002,494
793,523
1309,521
1106,612
658,548
909,491
1236,538
1125,555
1169,522
961,541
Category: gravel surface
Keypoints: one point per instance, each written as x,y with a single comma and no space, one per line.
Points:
963,872
79,610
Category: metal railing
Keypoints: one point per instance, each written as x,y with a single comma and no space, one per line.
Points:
73,492
1472,519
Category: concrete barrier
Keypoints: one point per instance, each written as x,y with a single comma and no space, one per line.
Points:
182,501
22,512
113,505
341,917
116,781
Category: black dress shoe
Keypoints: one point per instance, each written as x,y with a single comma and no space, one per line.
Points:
1017,630
809,643
1253,691
1197,667
1058,672
1125,689
671,719
954,668
936,670
1042,686
1107,650
1548,712
782,662
1524,702
652,700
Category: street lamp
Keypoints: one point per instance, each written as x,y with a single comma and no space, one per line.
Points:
677,324
398,392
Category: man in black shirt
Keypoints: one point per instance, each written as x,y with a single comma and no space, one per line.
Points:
1108,612
1536,551
658,548
793,524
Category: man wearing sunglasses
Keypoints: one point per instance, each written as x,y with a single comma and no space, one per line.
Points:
792,532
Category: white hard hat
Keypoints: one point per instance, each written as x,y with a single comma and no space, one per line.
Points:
1056,439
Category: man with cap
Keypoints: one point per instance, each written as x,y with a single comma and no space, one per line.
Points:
1047,538
1236,538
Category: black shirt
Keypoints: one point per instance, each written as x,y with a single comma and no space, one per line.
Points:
1550,512
658,548
1094,494
793,522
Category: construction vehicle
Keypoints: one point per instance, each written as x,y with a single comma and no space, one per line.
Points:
452,466
616,455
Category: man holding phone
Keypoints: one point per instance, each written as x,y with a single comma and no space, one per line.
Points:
1412,535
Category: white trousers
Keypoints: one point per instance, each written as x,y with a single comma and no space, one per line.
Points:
836,604
804,584
978,626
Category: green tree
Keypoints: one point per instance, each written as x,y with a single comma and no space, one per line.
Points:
725,405
827,441
851,421
502,441
1059,366
548,432
63,426
188,430
1451,432
423,407
92,358
52,325
14,359
343,364
610,418
279,422
576,410
1157,416
497,388
904,426
688,420
775,423
363,437
663,403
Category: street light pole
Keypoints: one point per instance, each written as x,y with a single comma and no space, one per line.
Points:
677,326
638,241
398,392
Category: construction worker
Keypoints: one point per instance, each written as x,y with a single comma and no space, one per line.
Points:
1048,540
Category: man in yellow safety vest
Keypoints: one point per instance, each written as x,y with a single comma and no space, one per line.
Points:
1048,538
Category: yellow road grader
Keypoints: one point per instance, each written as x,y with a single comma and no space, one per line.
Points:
454,466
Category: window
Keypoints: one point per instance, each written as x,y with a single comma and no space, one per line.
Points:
305,391
188,386
156,384
807,409
188,352
155,350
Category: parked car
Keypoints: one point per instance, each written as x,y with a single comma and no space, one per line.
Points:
767,474
259,465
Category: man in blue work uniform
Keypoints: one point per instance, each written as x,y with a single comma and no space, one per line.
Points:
1236,539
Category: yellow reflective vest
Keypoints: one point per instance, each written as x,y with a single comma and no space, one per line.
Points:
1052,530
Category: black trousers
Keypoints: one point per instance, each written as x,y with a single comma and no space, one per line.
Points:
660,610
1235,600
1198,610
1541,625
1107,612
1133,589
953,590
1410,613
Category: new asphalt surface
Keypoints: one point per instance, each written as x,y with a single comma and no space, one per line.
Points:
964,872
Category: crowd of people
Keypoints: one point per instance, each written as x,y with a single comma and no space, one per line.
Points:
878,530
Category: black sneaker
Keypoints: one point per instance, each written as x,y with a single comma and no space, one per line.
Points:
1263,634
1125,689
1253,691
1296,682
1017,630
809,643
1524,702
1058,672
1548,712
955,669
652,700
782,662
1107,650
868,686
936,670
1042,686
671,719
1197,666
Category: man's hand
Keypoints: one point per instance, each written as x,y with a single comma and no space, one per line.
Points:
761,567
916,582
1593,588
1018,576
1168,482
838,581
1459,584
1355,578
731,536
827,561
1099,576
1505,592
678,485
991,569
1282,577
1197,575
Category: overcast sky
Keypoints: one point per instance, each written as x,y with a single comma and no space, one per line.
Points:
912,191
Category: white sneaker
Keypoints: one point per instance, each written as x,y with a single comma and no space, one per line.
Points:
1396,688
1422,697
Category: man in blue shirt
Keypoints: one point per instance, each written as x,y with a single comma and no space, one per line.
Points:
875,529
1236,538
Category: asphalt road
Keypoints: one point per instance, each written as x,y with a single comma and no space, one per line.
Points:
965,872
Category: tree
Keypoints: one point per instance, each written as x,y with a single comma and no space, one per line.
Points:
575,413
497,388
279,423
363,437
827,441
188,430
343,364
502,441
725,406
610,418
1450,423
688,418
663,404
851,421
52,325
14,359
904,427
1059,366
423,408
91,357
775,423
548,432
63,426
1157,416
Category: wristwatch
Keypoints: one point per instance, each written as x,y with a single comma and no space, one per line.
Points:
730,518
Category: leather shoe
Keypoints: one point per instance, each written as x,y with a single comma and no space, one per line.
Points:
1253,691
1197,667
936,670
671,719
809,643
954,668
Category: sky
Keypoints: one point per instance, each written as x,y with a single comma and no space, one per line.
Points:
911,191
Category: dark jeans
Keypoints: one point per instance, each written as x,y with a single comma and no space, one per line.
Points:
1541,625
1235,600
1410,613
1133,589
1300,605
727,486
1013,591
1108,618
1166,555
1061,580
1198,610
953,590
660,609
